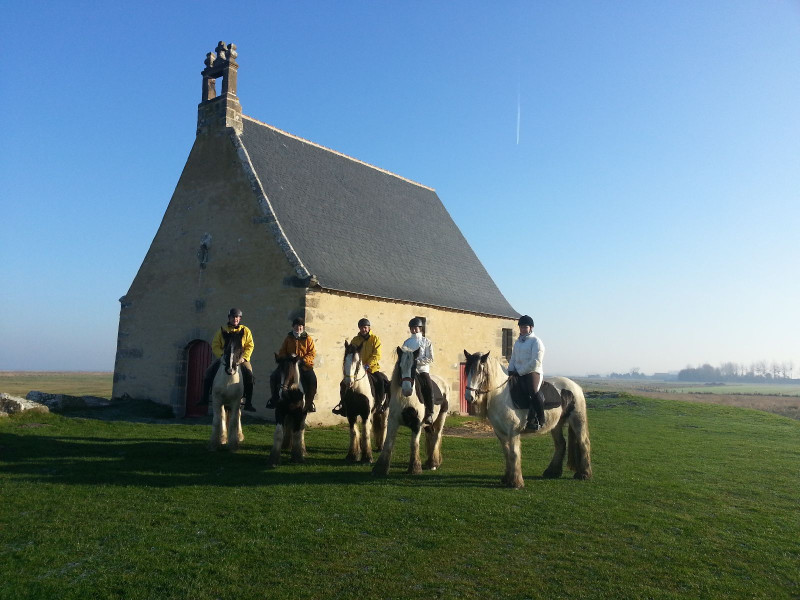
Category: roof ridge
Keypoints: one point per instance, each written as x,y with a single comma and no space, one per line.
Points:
366,164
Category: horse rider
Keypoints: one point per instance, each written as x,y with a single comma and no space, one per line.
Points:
218,347
417,341
526,365
369,348
297,343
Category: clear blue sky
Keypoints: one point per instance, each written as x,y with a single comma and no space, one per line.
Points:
643,208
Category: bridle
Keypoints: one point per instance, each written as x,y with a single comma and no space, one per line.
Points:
477,391
355,378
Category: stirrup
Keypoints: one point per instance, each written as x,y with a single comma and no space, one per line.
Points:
533,425
271,403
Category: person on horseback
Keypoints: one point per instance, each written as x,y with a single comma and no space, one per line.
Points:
234,325
297,343
526,366
369,348
418,341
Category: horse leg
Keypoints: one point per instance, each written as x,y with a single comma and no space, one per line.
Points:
277,442
579,447
299,440
353,453
366,439
379,428
223,424
414,465
216,428
556,466
504,447
433,439
381,468
515,463
234,426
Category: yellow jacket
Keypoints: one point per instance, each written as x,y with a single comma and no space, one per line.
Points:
370,350
218,344
302,347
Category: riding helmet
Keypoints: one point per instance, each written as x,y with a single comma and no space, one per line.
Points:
234,312
525,320
364,323
415,322
299,321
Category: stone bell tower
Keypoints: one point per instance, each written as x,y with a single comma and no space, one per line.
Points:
217,113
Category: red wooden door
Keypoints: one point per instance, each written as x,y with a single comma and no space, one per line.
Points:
465,408
196,364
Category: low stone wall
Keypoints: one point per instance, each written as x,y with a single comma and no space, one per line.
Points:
65,401
10,405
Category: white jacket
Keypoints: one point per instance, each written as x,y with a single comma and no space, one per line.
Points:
425,357
527,355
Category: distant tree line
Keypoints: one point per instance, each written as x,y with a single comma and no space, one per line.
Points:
757,372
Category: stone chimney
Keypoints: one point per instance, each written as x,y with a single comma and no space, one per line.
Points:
216,113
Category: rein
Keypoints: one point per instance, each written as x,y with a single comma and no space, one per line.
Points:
355,377
477,391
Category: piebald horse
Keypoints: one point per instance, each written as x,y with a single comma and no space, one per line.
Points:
360,401
226,396
489,388
290,414
406,409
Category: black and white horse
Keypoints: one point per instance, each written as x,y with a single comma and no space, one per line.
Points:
290,413
361,399
405,408
227,390
489,387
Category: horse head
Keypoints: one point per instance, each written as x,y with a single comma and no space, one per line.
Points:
289,370
232,350
352,368
476,376
407,363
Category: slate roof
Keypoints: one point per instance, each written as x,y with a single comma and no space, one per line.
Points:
359,229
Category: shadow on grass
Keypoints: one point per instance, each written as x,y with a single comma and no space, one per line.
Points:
176,461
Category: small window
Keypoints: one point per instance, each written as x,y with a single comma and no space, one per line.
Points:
508,343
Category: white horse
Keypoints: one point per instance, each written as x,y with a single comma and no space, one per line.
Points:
226,396
290,413
406,409
360,400
489,388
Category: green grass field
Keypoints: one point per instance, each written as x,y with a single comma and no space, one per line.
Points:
688,501
19,383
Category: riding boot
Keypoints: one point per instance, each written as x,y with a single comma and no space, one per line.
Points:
248,391
309,408
339,408
535,413
428,418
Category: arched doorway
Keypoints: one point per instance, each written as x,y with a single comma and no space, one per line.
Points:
197,361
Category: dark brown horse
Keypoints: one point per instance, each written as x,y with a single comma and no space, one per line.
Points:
290,413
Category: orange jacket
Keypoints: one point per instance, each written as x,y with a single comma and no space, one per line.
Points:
302,347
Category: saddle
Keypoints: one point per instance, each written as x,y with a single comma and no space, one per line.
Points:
552,398
438,396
